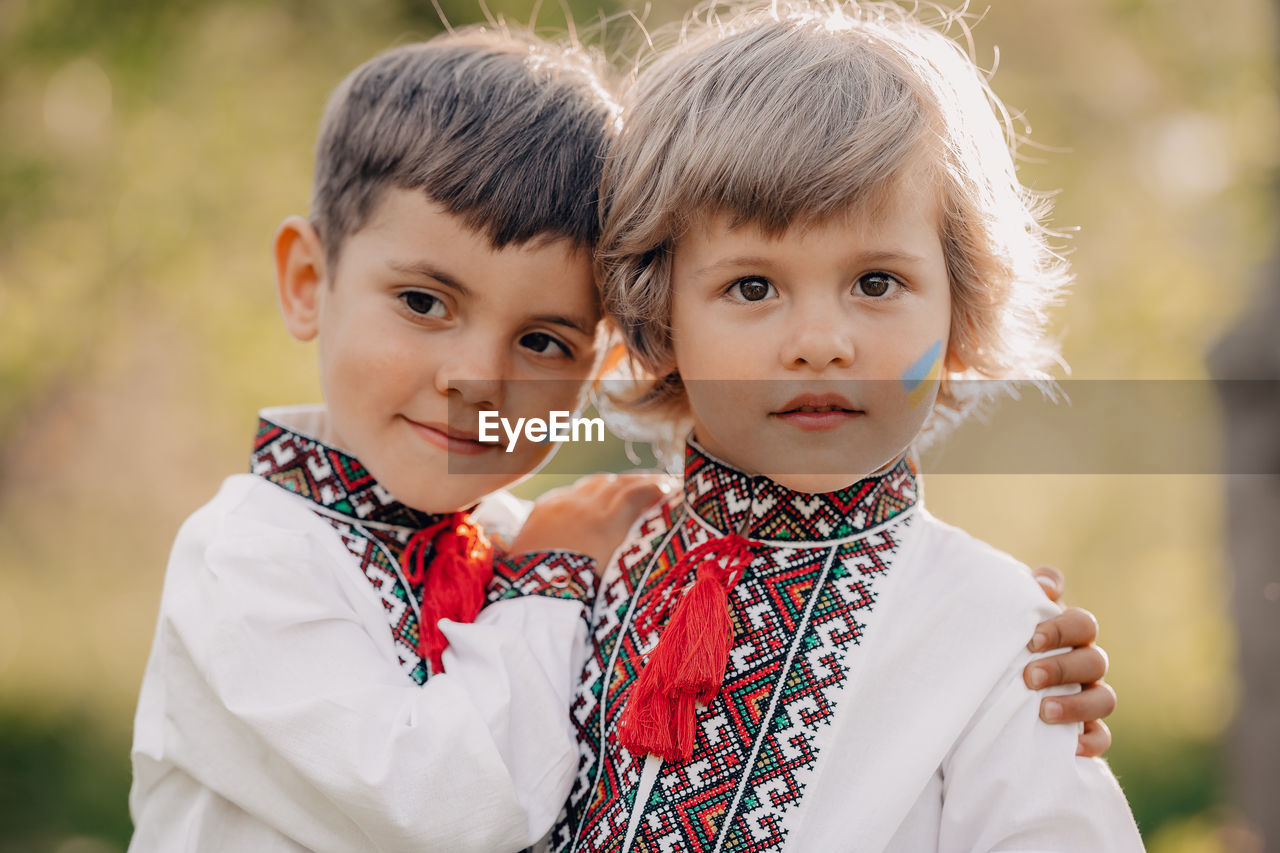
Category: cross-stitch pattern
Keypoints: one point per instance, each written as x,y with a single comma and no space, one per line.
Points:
797,616
375,528
340,484
552,574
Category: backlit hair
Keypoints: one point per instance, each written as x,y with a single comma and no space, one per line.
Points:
800,112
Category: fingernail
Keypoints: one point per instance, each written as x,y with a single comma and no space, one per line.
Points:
1039,678
1039,641
1048,584
1052,711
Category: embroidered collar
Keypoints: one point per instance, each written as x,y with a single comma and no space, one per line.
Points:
759,508
336,481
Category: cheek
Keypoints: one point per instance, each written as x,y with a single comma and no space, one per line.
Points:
924,368
707,344
371,359
722,411
537,398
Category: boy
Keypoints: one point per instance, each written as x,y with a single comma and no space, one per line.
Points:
813,231
313,682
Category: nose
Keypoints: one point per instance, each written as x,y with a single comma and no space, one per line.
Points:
818,336
474,371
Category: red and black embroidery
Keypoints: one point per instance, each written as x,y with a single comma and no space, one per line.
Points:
329,477
552,574
372,525
797,614
376,528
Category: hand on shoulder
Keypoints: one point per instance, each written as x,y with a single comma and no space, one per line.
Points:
1085,663
591,516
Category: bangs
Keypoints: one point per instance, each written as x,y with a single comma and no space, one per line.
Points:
804,111
508,133
804,128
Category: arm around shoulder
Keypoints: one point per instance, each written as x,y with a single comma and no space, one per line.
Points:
1014,783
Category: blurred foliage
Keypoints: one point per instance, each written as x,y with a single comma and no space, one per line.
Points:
65,762
150,149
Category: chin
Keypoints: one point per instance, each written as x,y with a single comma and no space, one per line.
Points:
439,498
819,470
433,490
815,483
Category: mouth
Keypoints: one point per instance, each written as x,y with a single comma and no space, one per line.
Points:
817,412
452,439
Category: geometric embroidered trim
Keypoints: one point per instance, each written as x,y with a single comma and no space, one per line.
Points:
759,508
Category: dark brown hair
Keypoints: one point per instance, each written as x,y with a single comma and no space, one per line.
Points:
506,131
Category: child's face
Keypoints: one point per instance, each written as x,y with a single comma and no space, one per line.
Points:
846,316
423,324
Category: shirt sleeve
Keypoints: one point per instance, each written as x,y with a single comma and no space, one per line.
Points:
1070,804
282,697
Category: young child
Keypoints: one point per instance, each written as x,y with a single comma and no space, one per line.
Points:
314,682
814,231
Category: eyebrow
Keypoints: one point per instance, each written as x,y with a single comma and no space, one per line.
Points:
578,324
740,261
891,256
875,257
423,269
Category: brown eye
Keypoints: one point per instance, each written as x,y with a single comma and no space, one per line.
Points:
875,284
753,289
422,303
544,344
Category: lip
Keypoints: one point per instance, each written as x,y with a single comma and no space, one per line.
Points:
453,440
841,412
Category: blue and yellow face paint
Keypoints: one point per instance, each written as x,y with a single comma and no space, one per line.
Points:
922,373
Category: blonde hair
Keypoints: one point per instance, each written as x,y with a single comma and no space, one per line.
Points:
799,112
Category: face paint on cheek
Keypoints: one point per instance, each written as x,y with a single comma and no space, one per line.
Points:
921,374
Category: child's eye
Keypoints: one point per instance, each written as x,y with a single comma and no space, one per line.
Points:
544,344
423,304
752,288
875,284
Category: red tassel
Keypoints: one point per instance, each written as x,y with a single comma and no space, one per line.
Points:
453,584
687,666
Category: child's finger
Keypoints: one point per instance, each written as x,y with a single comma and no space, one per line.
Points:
1051,581
1078,666
1093,703
1095,740
1072,627
601,481
627,483
642,495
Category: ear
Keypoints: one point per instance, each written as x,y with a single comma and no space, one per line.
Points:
300,276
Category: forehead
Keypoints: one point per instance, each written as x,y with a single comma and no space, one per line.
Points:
415,237
904,210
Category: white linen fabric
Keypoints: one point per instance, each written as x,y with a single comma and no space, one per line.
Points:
276,713
873,699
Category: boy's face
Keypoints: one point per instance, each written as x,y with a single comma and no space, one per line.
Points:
812,357
422,325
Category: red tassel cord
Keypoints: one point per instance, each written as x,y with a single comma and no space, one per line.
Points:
687,666
453,583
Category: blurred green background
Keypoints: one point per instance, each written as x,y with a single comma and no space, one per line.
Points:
148,150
